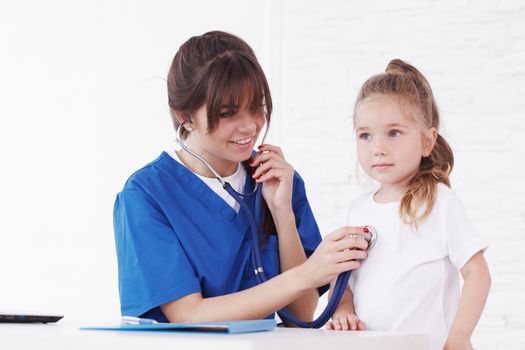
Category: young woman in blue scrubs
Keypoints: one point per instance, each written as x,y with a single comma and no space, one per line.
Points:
183,246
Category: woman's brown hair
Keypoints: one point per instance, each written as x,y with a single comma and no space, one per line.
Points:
408,86
217,69
214,69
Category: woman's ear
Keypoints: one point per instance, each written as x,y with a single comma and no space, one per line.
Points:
188,124
181,118
429,141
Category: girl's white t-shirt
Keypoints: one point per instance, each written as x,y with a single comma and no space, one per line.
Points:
236,180
410,279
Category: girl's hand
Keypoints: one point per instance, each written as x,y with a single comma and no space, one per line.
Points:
277,175
458,342
334,255
344,317
345,321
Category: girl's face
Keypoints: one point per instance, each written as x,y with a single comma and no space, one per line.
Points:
389,143
231,142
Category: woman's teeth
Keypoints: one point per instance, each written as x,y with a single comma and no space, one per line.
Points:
243,142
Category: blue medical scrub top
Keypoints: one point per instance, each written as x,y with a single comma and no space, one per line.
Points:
175,236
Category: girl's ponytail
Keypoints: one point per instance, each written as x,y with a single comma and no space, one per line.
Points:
420,195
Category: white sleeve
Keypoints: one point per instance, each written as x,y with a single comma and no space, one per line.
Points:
463,240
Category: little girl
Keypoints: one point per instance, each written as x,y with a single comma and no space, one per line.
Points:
410,280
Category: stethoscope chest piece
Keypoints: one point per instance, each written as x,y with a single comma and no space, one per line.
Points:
371,237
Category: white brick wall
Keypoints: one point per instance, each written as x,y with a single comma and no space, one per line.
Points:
473,54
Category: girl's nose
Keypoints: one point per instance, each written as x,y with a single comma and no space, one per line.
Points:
380,152
379,148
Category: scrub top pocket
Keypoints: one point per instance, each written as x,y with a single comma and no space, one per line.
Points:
270,257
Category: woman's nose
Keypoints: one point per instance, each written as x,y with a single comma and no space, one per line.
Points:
248,123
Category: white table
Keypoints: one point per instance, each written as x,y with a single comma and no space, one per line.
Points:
67,336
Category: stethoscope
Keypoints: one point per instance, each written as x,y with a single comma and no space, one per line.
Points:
255,256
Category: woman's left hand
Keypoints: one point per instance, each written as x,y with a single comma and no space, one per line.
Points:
277,175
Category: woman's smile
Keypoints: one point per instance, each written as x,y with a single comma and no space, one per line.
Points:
243,144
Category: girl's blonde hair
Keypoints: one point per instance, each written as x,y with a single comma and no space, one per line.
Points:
405,83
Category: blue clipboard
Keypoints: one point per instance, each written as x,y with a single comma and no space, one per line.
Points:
230,327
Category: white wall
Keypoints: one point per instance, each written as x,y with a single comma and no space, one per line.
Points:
82,105
473,54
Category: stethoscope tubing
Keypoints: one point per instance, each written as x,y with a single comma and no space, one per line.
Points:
205,162
255,255
260,275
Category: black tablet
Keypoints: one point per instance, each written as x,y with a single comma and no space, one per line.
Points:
27,317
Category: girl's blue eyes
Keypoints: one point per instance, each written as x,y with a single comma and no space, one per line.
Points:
394,133
367,137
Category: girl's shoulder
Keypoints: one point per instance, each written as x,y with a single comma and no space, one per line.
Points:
446,195
448,206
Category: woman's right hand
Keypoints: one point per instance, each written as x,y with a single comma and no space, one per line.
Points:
335,254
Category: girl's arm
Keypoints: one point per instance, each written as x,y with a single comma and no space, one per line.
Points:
344,317
476,287
329,259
